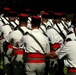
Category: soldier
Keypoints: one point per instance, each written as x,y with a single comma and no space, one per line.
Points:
5,30
4,13
2,22
44,24
57,36
17,56
36,45
44,20
1,61
68,52
51,18
67,25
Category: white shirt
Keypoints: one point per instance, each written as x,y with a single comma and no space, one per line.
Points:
50,23
69,52
31,45
1,24
43,28
29,23
16,35
54,36
17,21
6,22
68,26
6,29
61,27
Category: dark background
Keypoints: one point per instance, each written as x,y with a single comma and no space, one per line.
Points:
57,5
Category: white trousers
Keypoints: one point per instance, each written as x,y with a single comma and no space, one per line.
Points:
35,68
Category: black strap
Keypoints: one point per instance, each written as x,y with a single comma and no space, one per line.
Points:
11,25
66,24
61,33
9,22
51,23
65,28
56,31
43,31
23,33
17,26
3,21
43,24
68,32
37,42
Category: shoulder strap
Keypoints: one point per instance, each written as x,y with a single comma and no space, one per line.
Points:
43,24
51,24
3,21
43,31
65,28
10,24
23,33
16,25
57,32
66,24
60,34
37,42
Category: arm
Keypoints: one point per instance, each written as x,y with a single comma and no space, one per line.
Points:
51,55
21,42
60,53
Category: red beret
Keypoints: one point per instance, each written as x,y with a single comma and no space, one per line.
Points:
6,8
45,15
5,11
12,14
23,17
36,20
57,15
51,14
34,12
28,11
63,15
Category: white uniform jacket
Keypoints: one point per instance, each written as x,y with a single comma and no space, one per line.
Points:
6,29
16,35
54,36
68,51
32,46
